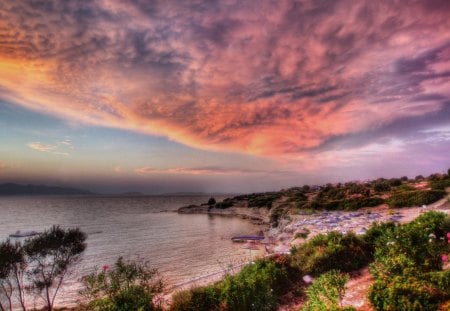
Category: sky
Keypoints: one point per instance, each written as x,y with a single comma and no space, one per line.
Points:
222,96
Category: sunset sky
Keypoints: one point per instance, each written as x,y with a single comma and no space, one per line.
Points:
222,96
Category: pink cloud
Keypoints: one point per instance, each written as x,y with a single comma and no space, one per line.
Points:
267,78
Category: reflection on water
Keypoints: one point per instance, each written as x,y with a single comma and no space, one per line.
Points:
180,246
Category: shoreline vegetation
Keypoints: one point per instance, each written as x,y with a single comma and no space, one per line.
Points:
375,245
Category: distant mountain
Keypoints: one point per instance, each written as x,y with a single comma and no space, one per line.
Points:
131,194
17,189
195,194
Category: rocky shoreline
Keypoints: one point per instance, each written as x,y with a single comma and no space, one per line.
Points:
258,216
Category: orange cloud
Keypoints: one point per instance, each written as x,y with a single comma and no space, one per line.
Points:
196,171
260,78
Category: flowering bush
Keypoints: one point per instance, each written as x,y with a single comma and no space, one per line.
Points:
126,286
330,251
408,265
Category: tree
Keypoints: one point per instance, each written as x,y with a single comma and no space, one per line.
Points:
52,254
211,201
12,271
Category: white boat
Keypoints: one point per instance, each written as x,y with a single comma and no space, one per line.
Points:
24,234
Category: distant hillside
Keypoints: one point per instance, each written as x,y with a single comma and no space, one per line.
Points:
17,189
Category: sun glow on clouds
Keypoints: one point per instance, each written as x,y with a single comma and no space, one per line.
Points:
280,79
196,171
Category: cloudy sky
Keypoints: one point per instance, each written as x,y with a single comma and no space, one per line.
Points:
229,96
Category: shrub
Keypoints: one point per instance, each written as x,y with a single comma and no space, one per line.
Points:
402,293
127,286
381,186
197,299
263,199
224,204
415,198
256,287
373,234
275,216
395,182
211,201
326,292
407,266
440,184
330,251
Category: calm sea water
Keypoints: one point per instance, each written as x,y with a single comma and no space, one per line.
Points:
181,247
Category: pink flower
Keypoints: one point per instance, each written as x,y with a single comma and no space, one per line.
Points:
444,258
105,267
448,237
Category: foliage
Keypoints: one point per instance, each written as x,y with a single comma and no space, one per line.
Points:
373,234
211,201
206,298
263,200
275,216
407,266
440,184
224,204
52,253
347,204
381,186
256,287
394,182
415,198
127,286
12,270
303,235
402,293
330,251
326,292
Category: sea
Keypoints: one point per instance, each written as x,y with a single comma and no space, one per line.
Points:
182,247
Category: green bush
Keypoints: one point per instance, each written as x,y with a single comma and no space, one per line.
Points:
197,299
126,286
224,204
256,287
408,267
263,199
381,186
440,184
373,234
326,292
346,204
402,293
415,198
275,216
330,251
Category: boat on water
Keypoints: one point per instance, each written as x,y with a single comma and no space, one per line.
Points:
23,234
245,238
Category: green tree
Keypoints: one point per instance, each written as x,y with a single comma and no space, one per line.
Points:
211,201
52,253
12,271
